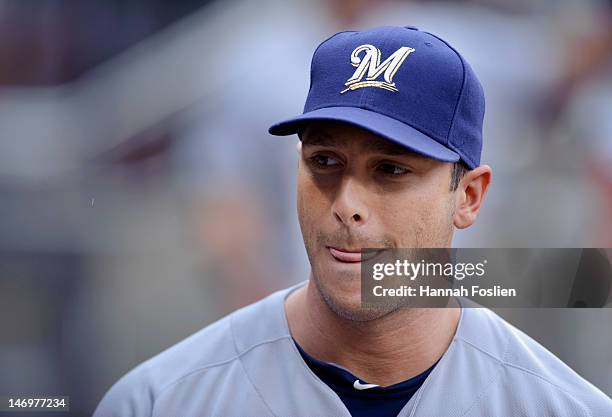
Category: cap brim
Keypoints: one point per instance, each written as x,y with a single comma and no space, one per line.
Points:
376,123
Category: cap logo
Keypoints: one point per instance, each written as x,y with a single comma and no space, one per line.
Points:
371,63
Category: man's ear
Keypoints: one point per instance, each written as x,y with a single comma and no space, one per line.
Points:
298,146
470,195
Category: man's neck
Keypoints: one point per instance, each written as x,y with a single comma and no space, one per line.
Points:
384,351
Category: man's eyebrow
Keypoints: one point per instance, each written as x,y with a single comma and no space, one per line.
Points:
320,138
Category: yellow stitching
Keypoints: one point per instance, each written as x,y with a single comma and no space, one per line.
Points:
354,81
379,84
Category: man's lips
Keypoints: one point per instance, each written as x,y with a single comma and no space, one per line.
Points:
350,256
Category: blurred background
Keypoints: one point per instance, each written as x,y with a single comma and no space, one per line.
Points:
141,197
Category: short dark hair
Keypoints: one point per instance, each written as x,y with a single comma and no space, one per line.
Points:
459,170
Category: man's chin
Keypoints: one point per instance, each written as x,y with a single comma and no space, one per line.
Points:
345,300
355,311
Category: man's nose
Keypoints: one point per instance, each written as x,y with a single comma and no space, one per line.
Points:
349,205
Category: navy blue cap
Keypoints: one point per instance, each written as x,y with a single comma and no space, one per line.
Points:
401,83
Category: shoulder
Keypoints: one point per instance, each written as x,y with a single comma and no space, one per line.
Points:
527,373
199,359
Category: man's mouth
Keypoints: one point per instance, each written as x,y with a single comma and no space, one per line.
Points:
351,255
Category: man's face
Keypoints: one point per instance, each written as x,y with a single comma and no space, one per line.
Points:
357,190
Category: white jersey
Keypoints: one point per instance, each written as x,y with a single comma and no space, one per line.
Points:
246,365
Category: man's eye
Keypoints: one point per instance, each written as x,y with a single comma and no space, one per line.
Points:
324,161
392,169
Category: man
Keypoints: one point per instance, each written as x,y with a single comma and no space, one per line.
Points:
391,138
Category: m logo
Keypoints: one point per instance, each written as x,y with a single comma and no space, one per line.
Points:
371,63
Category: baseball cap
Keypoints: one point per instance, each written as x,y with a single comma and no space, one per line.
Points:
401,83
